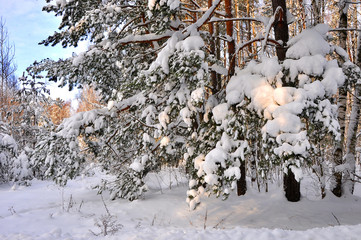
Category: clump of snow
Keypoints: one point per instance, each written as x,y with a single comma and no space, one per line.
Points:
137,166
212,161
176,43
310,65
185,113
173,4
190,43
163,119
285,122
8,141
110,105
310,42
165,141
78,59
220,112
197,95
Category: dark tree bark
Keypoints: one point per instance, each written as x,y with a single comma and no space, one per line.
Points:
290,185
214,82
281,28
241,183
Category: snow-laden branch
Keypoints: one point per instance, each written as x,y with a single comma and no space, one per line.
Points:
145,38
202,10
195,4
257,39
278,14
215,19
344,29
204,19
155,37
127,24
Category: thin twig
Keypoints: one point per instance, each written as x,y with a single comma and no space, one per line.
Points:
336,218
205,220
105,206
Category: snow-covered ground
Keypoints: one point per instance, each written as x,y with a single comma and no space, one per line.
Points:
46,211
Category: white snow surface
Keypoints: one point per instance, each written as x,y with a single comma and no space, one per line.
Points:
42,212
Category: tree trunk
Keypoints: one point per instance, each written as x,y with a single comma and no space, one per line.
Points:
281,28
350,159
290,185
212,46
316,14
342,100
231,44
241,183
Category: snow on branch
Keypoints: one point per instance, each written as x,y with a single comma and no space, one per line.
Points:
344,29
277,15
215,19
257,39
145,38
204,19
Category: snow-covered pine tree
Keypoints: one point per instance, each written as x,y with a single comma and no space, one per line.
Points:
293,100
131,61
26,122
8,152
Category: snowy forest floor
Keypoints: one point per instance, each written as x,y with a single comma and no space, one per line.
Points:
45,211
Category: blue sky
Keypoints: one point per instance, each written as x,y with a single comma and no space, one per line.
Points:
28,25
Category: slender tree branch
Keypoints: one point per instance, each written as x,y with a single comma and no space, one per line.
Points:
213,20
195,3
344,29
359,2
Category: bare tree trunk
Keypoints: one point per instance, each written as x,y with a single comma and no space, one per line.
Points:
281,28
214,82
229,29
316,12
342,100
290,185
350,159
241,183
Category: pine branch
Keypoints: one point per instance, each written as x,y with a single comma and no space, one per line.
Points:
141,122
127,24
